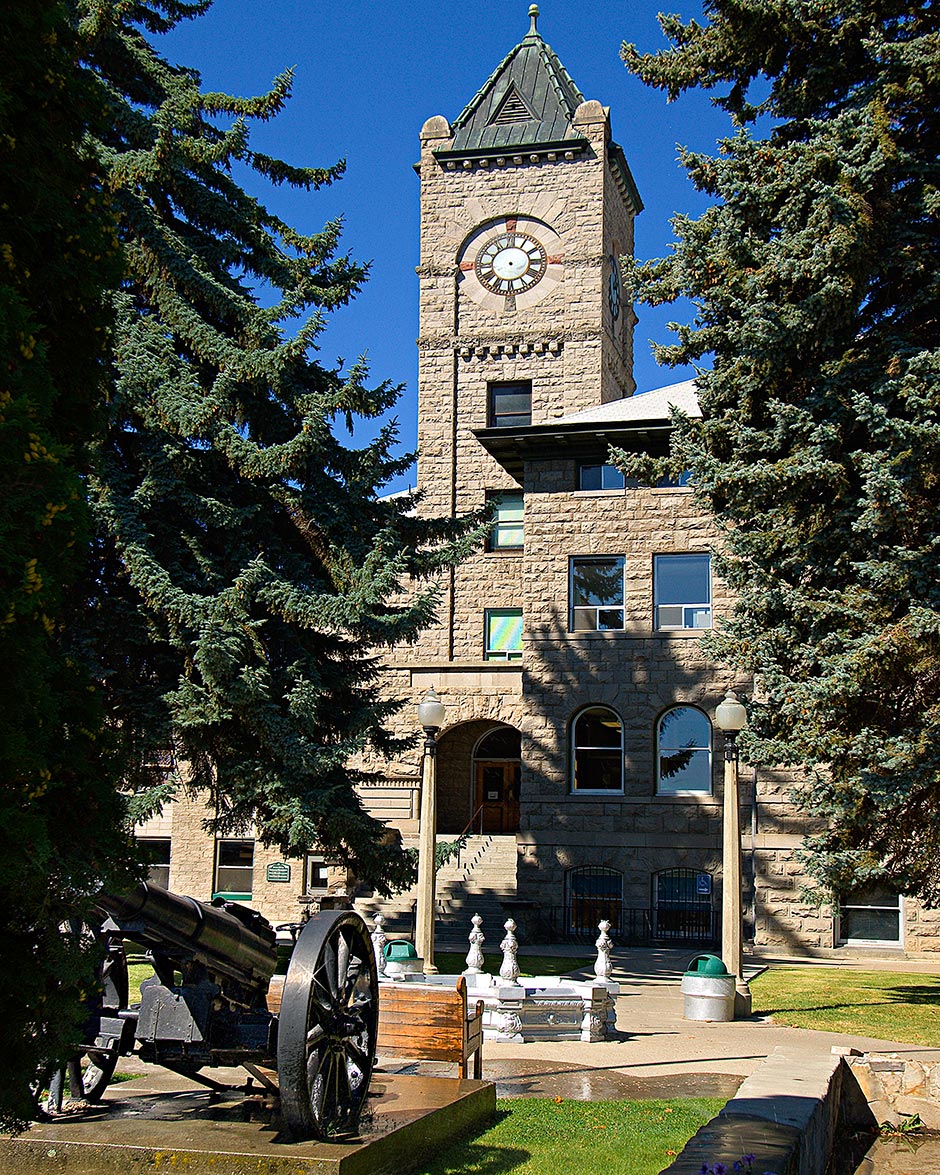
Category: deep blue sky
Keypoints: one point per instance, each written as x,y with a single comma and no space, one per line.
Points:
369,74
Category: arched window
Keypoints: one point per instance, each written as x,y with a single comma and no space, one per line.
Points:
683,752
501,743
596,751
594,893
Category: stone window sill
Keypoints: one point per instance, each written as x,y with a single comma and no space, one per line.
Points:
638,634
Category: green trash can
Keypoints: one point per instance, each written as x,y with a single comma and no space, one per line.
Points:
708,990
401,958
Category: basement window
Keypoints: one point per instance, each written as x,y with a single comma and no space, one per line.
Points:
871,916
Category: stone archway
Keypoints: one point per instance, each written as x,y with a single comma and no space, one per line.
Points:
460,778
497,768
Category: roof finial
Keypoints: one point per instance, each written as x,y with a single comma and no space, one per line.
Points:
533,16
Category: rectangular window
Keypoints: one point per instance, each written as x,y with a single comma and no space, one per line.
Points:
503,634
234,868
317,874
596,594
594,476
156,852
682,591
871,915
507,532
510,404
684,479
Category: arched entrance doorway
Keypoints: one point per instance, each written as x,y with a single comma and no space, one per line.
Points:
496,772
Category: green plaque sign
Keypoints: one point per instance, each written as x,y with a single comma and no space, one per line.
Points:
277,871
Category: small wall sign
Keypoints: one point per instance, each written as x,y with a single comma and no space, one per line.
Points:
277,871
703,883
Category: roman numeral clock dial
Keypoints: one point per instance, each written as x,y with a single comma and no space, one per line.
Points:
511,263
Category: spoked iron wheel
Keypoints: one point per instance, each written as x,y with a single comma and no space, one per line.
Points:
90,1071
327,1026
88,1078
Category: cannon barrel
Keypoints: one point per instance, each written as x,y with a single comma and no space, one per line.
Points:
231,940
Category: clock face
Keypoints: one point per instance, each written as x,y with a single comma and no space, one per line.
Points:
613,289
511,263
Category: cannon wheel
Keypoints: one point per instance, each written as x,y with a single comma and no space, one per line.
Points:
327,1026
90,1071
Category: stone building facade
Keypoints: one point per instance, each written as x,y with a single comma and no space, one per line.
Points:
568,652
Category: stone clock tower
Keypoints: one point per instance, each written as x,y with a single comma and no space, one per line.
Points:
577,751
527,206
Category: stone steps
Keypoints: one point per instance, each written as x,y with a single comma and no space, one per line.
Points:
476,882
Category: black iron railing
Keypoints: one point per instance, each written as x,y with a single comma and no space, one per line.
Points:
628,926
692,924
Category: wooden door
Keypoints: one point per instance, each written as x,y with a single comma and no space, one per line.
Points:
497,797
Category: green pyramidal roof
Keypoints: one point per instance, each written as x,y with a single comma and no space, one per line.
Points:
528,101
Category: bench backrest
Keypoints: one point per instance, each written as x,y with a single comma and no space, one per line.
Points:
423,1020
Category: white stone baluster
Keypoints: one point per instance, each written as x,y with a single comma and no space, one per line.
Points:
603,966
475,954
510,947
378,942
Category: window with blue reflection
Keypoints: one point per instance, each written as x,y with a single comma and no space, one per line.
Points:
596,594
683,752
682,591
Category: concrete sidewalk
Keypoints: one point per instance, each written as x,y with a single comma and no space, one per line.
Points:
658,1053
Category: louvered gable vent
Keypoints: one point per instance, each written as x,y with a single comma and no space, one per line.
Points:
511,109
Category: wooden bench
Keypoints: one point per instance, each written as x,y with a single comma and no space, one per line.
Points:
275,993
421,1020
428,1022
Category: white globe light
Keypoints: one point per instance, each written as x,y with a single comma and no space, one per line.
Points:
431,710
730,715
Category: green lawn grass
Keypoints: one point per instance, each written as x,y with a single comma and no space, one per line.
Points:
136,974
450,963
545,1136
887,1005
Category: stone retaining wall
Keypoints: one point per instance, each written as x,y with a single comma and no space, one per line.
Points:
898,1087
786,1115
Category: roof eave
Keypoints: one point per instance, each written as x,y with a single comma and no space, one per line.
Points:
622,169
450,155
512,447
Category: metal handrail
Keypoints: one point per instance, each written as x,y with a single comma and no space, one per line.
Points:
467,829
469,826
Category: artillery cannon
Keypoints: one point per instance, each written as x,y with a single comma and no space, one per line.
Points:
206,1005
